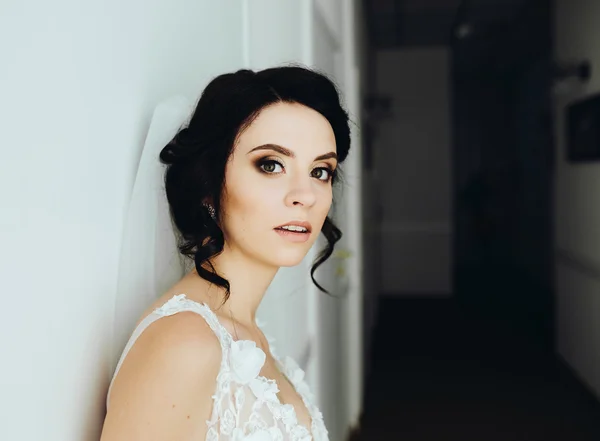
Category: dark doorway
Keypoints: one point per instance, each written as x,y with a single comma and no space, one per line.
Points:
481,364
502,161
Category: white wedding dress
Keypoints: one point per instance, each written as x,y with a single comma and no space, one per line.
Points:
245,404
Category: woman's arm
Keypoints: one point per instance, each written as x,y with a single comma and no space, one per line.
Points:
164,388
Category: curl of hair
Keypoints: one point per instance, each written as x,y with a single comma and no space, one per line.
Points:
197,156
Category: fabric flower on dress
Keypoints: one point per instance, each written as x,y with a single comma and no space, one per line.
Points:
294,373
304,390
316,413
265,390
246,361
300,433
288,415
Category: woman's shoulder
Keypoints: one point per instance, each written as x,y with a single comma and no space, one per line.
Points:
182,331
183,296
181,343
168,376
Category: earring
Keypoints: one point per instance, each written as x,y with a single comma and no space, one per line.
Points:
211,211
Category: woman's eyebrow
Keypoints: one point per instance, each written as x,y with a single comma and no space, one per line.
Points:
330,155
275,147
289,153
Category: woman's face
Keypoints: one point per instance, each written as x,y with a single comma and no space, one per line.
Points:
278,187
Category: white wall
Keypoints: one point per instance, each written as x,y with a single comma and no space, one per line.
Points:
412,159
275,32
331,12
577,208
79,84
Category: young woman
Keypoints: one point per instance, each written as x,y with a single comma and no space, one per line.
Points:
249,184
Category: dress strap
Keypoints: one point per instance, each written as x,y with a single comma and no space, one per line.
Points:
178,303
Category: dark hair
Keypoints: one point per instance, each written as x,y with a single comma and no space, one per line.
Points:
197,155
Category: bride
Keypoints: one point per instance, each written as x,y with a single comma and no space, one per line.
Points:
249,186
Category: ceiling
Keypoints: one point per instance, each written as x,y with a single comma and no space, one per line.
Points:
394,23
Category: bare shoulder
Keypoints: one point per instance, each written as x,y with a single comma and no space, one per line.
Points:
164,387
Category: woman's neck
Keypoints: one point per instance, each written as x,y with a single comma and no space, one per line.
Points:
248,280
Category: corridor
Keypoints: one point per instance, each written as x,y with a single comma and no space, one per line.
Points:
438,376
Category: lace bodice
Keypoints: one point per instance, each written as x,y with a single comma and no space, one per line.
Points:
245,404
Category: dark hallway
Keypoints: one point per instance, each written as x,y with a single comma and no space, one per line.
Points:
438,375
516,238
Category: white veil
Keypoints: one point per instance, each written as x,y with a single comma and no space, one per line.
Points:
149,262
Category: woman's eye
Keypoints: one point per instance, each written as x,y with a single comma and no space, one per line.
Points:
322,173
271,167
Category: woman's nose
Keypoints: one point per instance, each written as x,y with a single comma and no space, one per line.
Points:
301,193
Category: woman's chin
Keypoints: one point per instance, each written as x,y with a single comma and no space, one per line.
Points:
289,259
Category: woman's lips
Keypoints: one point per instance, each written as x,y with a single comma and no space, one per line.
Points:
293,236
295,224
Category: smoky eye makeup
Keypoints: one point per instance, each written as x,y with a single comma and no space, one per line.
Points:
331,172
269,165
